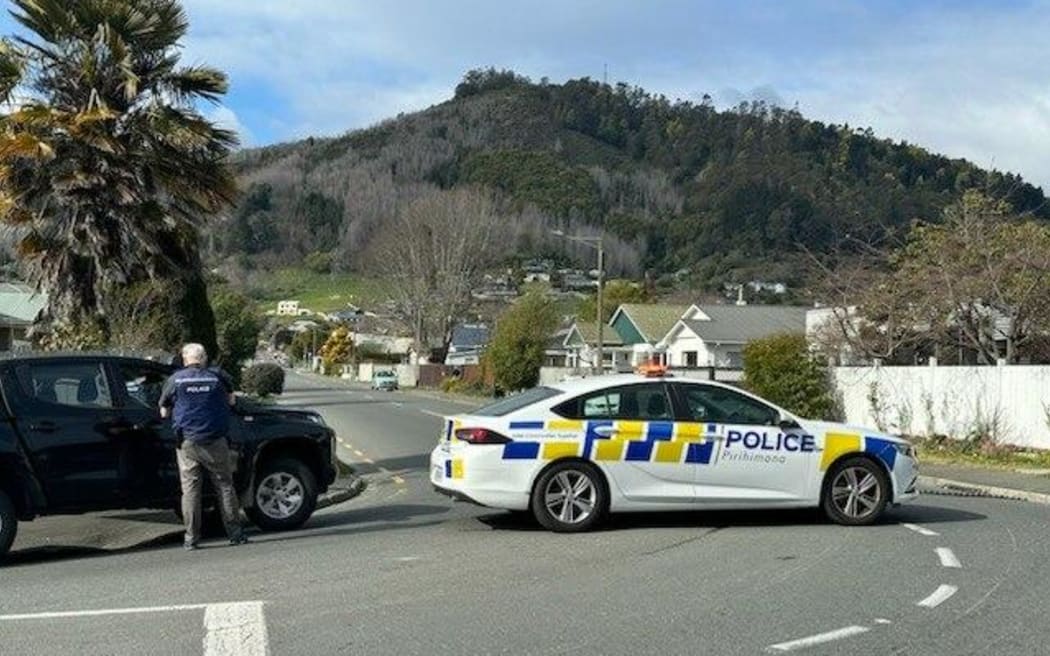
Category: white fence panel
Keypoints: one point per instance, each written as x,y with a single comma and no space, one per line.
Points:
1011,403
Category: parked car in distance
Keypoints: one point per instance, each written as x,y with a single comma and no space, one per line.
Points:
82,433
384,380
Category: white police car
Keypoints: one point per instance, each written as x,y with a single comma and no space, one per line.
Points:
573,452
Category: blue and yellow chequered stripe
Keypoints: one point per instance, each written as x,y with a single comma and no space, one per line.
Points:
632,441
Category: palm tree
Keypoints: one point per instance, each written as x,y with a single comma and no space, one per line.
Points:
108,171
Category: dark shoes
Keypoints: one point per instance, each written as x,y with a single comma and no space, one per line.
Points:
239,540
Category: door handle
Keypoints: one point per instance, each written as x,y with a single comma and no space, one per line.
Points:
44,427
604,431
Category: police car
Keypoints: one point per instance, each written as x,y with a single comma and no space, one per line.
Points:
574,452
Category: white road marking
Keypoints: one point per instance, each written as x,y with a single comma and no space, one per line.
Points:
100,613
818,639
920,530
396,404
359,454
369,461
939,596
879,620
948,558
399,480
235,630
431,413
407,559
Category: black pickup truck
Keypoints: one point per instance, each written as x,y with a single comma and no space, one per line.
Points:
82,433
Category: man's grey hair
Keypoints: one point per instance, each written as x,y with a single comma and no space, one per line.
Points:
194,354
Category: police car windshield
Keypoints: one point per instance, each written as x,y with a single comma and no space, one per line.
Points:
516,402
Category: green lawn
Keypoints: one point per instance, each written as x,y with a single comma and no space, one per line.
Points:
320,292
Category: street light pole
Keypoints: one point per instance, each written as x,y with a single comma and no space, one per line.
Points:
601,321
596,243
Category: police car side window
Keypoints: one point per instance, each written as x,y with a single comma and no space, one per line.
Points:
709,403
638,402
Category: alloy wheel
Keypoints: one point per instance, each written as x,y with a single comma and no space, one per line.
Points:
856,492
570,497
280,495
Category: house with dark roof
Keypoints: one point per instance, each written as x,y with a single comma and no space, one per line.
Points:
468,342
715,335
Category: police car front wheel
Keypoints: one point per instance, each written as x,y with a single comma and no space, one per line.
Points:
570,497
856,492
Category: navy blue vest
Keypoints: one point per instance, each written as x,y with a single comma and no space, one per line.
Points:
202,410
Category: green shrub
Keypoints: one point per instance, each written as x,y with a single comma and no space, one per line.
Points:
263,380
782,369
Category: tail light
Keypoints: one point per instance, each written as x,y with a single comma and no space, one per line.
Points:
480,436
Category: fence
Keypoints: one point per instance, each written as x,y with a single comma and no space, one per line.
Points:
1009,403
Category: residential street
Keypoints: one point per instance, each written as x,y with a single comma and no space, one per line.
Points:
403,570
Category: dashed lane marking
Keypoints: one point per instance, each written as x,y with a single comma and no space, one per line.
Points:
431,413
819,639
921,530
359,454
948,558
939,596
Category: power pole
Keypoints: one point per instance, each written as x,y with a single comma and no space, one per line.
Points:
601,318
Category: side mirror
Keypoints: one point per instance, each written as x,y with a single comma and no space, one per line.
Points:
787,423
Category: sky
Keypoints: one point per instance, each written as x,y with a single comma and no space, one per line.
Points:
964,78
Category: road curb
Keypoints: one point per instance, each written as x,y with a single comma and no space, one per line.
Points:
974,489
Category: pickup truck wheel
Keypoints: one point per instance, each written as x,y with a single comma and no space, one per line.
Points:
285,495
8,524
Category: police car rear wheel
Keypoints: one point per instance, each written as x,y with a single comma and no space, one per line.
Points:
8,524
570,497
856,493
285,495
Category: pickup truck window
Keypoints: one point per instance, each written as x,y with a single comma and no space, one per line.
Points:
79,384
143,384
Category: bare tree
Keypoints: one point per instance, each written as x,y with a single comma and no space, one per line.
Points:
979,281
432,252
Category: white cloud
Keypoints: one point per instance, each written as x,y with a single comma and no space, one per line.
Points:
226,118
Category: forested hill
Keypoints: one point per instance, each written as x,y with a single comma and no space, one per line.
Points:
727,194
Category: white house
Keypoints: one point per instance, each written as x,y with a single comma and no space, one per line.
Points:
715,335
287,308
581,348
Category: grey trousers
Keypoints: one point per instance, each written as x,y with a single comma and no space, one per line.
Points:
214,458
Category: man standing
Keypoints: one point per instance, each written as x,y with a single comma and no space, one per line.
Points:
199,400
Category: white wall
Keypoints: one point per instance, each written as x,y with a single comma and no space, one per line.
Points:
684,342
1013,402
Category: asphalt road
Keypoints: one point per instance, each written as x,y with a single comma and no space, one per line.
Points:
403,570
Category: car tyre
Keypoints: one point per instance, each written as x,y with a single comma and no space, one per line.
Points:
284,495
8,524
570,497
856,491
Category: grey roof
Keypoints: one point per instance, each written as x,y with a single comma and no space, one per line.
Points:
20,302
469,336
739,324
